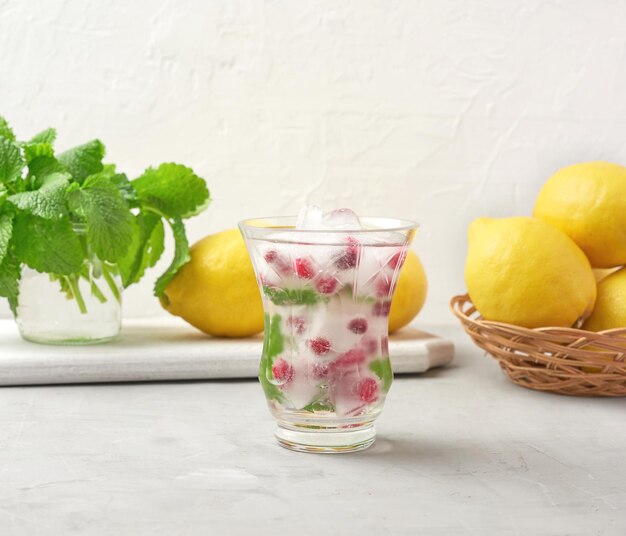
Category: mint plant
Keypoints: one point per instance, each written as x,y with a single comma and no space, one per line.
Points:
62,212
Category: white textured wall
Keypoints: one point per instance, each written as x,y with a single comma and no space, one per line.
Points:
436,111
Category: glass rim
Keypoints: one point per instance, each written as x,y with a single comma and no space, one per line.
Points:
400,225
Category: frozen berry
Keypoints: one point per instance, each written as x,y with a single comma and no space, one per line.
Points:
320,345
348,258
282,371
304,268
320,370
370,344
352,357
270,256
326,284
397,260
383,287
296,323
279,263
358,325
367,389
382,308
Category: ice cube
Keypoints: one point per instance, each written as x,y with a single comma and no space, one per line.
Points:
312,218
309,218
342,219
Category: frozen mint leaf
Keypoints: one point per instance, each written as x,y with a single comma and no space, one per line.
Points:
5,130
11,162
285,296
83,160
6,230
48,201
273,346
146,248
48,246
45,136
382,369
33,150
172,189
107,217
9,280
181,257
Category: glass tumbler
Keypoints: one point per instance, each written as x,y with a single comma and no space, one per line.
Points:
325,365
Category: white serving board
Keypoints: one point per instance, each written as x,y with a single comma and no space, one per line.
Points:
168,349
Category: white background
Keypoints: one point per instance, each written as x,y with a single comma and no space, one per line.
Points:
435,111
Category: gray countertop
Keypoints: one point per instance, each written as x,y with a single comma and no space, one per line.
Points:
459,451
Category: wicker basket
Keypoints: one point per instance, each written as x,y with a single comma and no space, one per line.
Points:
561,360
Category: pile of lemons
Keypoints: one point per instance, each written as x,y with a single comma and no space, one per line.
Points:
217,292
561,267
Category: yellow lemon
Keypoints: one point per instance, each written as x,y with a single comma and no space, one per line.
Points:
410,293
216,291
610,309
526,272
588,203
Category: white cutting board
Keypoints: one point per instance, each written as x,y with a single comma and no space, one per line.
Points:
169,349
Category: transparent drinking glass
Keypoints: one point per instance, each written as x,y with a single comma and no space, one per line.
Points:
325,365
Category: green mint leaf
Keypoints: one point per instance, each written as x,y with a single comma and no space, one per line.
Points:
273,346
121,182
11,162
10,272
107,217
146,249
45,136
34,150
83,160
42,166
172,189
48,246
6,230
285,296
181,257
48,201
5,130
382,369
318,406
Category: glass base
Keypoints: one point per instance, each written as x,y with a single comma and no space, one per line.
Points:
326,442
78,341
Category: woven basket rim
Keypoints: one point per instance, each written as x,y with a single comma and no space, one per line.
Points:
562,360
457,301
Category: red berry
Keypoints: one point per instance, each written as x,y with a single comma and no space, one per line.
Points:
270,256
367,389
382,308
326,284
370,344
304,268
397,260
358,325
282,371
320,370
297,323
383,287
354,356
348,258
277,261
320,345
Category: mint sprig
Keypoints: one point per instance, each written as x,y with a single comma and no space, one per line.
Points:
62,213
